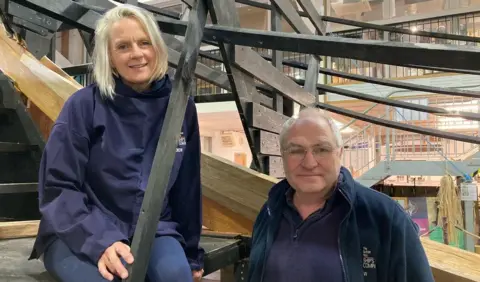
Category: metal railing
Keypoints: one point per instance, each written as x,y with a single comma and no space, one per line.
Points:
465,24
372,144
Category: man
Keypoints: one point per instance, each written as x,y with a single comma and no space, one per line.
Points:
321,225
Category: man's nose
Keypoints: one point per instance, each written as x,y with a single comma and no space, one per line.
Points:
309,160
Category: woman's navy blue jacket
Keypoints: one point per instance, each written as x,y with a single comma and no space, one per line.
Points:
95,168
378,241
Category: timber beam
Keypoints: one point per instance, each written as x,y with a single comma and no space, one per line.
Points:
432,55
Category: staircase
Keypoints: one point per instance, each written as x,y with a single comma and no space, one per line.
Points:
21,145
374,152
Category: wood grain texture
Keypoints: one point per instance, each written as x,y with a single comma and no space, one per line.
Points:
275,166
240,189
252,63
267,143
18,229
42,86
218,218
263,118
451,264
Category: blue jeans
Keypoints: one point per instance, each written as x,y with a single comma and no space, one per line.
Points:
168,263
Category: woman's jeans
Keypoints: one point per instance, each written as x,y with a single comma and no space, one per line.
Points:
168,263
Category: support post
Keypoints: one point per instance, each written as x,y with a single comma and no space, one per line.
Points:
243,86
166,148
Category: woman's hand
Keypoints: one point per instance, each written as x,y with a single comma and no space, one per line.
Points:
197,275
110,264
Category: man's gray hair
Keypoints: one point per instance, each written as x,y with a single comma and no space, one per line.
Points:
311,113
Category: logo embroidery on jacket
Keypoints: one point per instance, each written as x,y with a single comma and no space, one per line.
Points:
368,261
181,143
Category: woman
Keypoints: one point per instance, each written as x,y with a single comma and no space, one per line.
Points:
98,158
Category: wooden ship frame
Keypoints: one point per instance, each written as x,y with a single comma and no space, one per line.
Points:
33,90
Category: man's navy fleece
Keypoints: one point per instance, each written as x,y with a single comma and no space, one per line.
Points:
377,240
298,243
95,169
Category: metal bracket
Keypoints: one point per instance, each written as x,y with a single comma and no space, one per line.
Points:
241,270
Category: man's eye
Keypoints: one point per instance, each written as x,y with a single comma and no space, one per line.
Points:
297,151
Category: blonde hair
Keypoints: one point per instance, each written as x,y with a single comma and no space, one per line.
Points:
102,69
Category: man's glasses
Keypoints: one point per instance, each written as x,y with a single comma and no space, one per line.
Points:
298,153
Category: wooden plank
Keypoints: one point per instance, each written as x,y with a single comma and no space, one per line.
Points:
18,229
218,218
291,16
313,15
267,143
451,264
234,186
207,73
242,85
275,166
253,64
263,118
53,67
216,77
297,23
45,89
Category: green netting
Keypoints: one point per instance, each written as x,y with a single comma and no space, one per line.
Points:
437,235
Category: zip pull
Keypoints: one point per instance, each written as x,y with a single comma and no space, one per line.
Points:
295,236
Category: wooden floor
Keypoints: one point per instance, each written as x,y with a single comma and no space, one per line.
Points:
15,266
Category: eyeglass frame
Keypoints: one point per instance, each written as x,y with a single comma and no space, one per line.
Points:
306,150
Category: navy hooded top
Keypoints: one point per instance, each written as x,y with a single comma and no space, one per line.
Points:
96,165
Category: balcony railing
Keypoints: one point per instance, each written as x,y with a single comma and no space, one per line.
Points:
373,143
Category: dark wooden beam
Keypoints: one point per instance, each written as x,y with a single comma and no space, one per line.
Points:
213,98
217,78
242,85
263,118
274,166
277,57
158,180
291,16
297,23
400,104
387,82
252,63
313,15
368,79
267,143
399,125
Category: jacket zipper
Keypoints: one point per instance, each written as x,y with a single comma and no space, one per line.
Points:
340,234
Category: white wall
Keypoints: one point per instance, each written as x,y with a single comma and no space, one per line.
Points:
218,149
